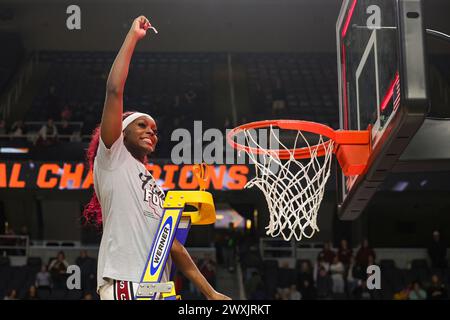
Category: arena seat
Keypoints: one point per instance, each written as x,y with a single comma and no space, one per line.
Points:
17,279
387,264
287,277
34,261
5,276
4,261
57,294
73,294
43,294
419,264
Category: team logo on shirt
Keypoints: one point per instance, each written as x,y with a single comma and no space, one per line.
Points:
153,194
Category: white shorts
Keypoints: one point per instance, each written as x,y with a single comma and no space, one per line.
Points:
118,290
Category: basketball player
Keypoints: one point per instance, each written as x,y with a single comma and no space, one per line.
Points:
121,202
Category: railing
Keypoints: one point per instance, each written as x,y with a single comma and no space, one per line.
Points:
271,247
33,128
14,245
290,251
75,137
47,249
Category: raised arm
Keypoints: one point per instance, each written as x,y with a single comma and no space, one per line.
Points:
184,262
111,125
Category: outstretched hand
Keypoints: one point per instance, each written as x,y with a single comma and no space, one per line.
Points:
140,26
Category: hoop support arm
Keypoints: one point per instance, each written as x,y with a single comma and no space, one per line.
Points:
352,151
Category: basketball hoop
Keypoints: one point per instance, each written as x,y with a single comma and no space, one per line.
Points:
293,178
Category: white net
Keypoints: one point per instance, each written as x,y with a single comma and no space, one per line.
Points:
293,188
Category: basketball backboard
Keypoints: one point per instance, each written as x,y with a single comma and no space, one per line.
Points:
382,87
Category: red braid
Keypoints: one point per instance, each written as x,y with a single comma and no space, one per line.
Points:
92,212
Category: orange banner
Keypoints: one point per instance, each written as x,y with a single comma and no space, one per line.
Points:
76,176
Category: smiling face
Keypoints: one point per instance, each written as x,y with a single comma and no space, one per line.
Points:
140,136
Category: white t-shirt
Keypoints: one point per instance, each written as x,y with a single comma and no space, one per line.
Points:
131,204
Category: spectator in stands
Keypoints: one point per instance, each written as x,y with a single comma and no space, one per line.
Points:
65,129
31,294
218,245
12,295
371,260
24,231
248,253
66,113
43,279
362,256
363,268
88,268
84,259
88,296
437,290
361,291
22,241
353,275
57,269
9,231
285,293
18,130
259,293
344,253
403,294
324,284
286,275
252,284
327,252
229,250
416,292
59,263
10,241
48,133
278,294
308,291
437,251
337,271
294,294
305,274
320,263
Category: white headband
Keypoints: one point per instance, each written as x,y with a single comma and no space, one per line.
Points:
133,117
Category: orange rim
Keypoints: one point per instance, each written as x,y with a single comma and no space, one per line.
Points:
340,137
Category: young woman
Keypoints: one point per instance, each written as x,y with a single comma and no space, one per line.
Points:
127,200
